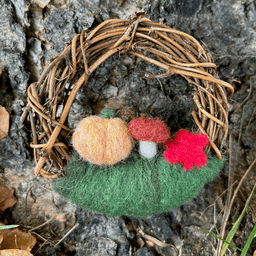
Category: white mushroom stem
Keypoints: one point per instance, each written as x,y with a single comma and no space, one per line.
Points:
147,149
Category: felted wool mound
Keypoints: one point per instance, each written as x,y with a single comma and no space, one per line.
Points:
137,188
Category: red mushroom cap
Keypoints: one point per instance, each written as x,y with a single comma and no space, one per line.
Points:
146,129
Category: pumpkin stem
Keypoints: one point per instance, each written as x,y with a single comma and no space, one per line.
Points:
105,113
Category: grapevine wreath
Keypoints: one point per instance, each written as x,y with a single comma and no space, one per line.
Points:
112,178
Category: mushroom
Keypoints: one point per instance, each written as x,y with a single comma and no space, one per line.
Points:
149,132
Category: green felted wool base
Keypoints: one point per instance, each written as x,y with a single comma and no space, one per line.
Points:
137,188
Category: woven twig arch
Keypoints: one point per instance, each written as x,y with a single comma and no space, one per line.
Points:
174,51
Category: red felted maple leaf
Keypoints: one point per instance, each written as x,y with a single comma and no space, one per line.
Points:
186,149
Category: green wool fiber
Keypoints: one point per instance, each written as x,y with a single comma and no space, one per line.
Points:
137,188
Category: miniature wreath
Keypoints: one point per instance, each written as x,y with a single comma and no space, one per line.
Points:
112,178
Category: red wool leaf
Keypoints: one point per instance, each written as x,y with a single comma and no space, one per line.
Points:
186,149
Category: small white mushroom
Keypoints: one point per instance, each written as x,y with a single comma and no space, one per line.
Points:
149,132
148,149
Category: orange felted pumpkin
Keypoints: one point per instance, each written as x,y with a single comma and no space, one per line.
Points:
102,141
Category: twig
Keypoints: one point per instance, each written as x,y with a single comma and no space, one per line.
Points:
45,240
41,246
240,135
160,84
214,213
26,207
247,98
246,131
16,242
228,202
214,224
77,224
41,224
44,187
231,173
214,249
216,200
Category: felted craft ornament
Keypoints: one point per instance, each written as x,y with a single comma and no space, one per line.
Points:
120,182
102,141
141,186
